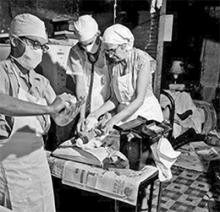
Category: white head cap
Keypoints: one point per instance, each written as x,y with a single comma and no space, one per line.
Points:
85,27
118,34
29,26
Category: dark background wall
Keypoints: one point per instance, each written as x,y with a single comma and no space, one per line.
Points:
132,13
194,20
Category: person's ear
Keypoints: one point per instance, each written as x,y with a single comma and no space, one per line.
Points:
98,39
98,33
17,47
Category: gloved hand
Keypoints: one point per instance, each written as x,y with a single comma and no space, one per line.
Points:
104,119
71,101
72,108
57,106
91,123
108,127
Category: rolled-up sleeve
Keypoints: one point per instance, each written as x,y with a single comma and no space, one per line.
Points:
145,64
74,62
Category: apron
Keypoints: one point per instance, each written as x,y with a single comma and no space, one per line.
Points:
125,93
25,164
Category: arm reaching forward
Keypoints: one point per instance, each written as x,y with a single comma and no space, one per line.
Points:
11,106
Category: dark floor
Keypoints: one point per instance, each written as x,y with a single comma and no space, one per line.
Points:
75,200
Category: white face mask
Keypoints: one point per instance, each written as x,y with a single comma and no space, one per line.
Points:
30,58
92,48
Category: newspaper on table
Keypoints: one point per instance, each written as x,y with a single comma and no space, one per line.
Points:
119,184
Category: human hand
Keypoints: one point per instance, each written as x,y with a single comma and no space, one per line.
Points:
68,98
72,108
81,125
108,127
91,122
104,119
57,106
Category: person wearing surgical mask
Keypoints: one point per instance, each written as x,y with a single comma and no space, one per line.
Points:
25,180
87,67
131,81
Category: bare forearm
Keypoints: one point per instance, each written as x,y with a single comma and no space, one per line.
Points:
81,93
14,107
128,110
83,111
106,107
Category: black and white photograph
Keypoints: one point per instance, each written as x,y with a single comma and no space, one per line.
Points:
109,105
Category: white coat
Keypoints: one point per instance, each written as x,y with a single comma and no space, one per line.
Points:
24,163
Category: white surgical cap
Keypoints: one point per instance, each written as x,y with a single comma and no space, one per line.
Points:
118,34
28,25
85,27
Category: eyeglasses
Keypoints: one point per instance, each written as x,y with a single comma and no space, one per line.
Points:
36,44
111,52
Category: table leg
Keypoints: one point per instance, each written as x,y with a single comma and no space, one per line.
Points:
150,196
116,206
159,196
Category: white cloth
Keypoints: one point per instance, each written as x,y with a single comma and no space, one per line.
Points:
118,34
28,25
25,163
164,156
3,209
183,102
91,123
150,110
93,143
85,27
